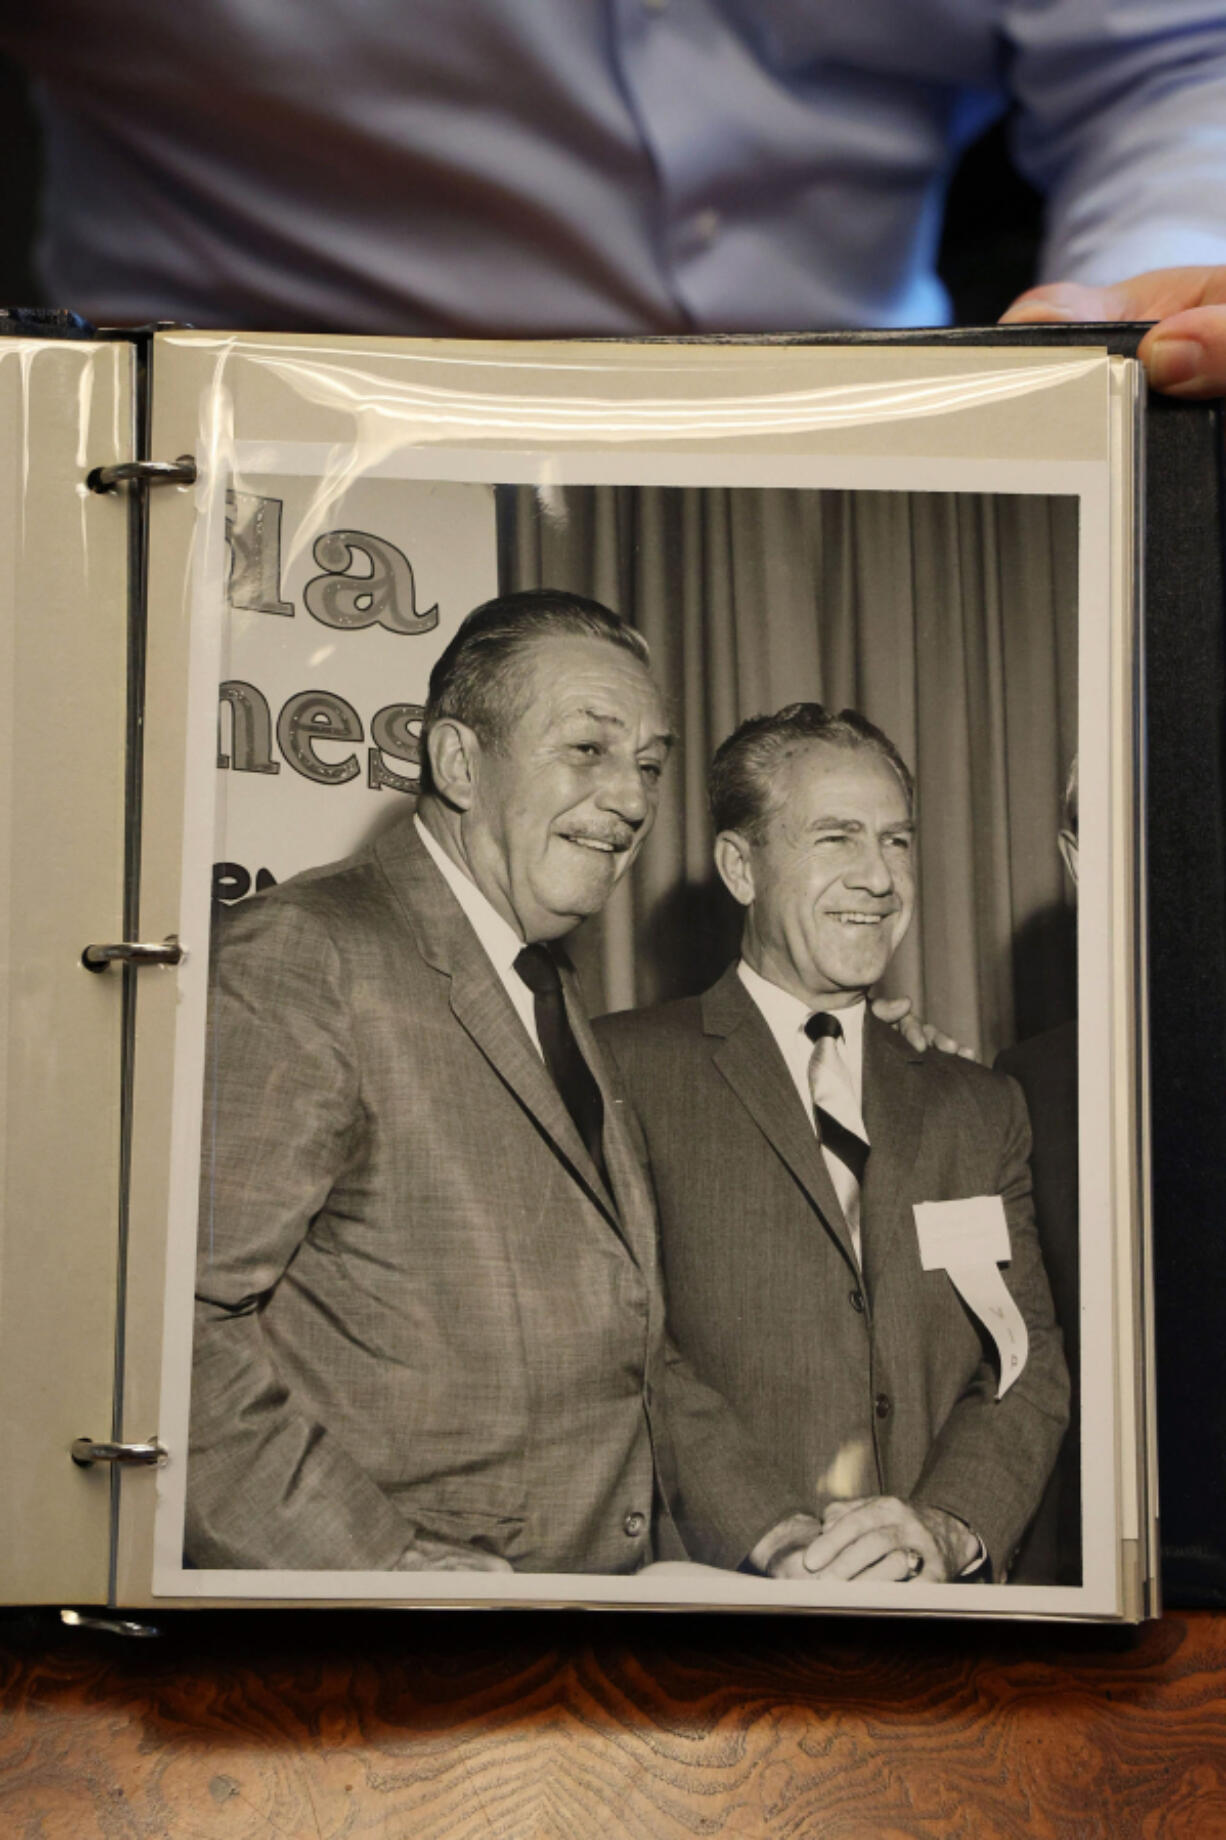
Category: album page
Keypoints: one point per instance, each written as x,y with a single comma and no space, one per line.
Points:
510,1223
65,408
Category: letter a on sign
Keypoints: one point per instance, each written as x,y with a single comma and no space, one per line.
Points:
384,597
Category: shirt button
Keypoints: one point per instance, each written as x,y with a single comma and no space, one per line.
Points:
705,226
856,1300
634,1524
882,1405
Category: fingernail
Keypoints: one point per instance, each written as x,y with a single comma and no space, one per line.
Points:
1174,361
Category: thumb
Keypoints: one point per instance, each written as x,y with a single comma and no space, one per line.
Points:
1185,354
891,1009
835,1510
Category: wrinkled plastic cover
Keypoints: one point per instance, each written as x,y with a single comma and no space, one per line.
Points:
325,464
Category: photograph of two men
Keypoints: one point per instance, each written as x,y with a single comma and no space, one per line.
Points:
654,1143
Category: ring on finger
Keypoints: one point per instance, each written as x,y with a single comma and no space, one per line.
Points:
914,1561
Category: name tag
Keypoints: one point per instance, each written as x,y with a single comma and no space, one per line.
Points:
969,1240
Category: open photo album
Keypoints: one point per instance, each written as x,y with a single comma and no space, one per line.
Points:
576,960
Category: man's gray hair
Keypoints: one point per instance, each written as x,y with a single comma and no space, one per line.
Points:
479,680
741,783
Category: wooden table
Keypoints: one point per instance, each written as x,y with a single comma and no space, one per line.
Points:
526,1726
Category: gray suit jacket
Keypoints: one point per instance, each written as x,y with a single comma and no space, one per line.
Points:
853,1384
419,1309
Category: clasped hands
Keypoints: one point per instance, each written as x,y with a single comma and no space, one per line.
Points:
876,1539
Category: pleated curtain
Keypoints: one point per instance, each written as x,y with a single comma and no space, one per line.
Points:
949,619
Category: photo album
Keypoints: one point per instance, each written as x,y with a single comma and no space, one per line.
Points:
577,954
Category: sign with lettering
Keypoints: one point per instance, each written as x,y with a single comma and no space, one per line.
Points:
334,621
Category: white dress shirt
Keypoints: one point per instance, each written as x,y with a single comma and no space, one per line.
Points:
500,942
785,1016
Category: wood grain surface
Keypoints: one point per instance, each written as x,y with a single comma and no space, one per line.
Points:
524,1726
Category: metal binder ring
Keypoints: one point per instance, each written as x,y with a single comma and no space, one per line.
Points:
109,1625
132,952
180,472
87,1450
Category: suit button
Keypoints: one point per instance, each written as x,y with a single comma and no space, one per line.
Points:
634,1524
882,1405
856,1300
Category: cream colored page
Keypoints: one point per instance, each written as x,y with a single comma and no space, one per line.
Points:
346,410
64,408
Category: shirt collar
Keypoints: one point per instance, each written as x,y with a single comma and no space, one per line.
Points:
786,1015
501,942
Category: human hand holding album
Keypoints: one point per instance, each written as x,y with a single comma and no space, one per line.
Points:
1184,353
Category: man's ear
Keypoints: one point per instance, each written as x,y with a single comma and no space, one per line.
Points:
732,859
1068,849
454,751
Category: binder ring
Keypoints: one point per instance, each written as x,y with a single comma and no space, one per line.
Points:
180,472
132,952
110,1625
86,1450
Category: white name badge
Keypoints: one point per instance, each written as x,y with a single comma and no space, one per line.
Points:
970,1241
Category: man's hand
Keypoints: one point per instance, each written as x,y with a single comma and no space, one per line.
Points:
882,1540
775,1550
1185,353
427,1555
921,1035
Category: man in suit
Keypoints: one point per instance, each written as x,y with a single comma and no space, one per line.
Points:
791,1136
1045,1067
430,1326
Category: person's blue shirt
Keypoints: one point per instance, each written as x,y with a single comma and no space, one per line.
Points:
568,166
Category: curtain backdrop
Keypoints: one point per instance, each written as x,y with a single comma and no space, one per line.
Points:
949,619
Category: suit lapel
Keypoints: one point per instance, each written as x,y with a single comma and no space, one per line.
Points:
894,1094
481,1005
749,1060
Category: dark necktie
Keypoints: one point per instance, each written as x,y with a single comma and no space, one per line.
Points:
571,1074
828,1082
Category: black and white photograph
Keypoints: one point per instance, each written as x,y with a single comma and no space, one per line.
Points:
640,1154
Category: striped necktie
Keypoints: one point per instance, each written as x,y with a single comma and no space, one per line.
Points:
839,1124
